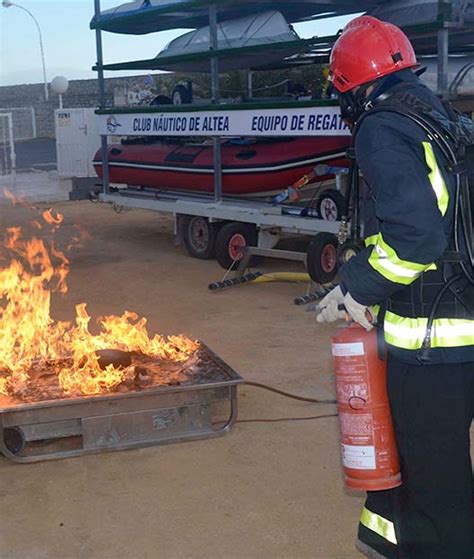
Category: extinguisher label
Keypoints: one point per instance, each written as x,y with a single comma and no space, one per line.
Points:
346,350
356,429
358,457
357,441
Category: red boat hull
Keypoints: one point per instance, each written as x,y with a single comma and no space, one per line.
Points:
259,168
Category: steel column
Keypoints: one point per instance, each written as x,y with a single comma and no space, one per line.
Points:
443,61
213,45
215,100
249,84
102,101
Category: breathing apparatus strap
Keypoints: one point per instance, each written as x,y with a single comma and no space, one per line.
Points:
462,218
447,148
435,132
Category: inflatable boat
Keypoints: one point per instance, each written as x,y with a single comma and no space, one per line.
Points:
261,167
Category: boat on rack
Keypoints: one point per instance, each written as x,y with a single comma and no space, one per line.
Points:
249,168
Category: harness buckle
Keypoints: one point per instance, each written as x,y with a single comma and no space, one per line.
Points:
459,168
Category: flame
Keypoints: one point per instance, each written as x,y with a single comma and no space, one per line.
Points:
30,337
52,219
14,199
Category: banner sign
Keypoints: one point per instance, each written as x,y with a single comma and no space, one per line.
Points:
304,121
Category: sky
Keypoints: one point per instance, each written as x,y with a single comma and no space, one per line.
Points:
69,44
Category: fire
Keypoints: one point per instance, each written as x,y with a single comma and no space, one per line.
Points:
51,219
31,270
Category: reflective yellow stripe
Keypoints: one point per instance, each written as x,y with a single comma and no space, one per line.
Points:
386,261
378,524
436,179
409,333
372,240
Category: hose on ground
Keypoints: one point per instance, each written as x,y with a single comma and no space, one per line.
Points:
282,419
288,394
282,276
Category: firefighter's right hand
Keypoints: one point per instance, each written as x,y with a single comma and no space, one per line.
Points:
331,307
336,306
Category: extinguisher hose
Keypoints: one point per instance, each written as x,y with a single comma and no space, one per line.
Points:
285,419
289,395
293,397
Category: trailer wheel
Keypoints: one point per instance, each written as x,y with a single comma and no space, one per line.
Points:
181,95
322,258
231,239
199,236
330,205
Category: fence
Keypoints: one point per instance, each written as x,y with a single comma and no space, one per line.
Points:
7,145
24,122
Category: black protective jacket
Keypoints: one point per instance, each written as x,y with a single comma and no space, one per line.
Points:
408,228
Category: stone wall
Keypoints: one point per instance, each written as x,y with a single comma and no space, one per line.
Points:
81,93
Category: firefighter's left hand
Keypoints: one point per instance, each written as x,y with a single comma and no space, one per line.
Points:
336,306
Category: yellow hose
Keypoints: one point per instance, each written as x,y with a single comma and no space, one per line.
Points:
282,276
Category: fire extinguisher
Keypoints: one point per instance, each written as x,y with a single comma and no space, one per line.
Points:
369,451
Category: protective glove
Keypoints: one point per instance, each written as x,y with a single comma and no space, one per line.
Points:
330,309
327,308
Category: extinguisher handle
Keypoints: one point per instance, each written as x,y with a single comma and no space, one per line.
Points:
368,314
342,307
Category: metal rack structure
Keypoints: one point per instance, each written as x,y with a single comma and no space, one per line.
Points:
427,39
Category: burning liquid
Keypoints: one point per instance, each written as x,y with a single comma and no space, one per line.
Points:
31,270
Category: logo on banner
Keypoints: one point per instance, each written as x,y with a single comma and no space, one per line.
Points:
112,124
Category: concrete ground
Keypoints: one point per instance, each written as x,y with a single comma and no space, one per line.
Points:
36,179
264,491
36,186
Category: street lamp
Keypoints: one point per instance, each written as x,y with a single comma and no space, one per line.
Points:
8,4
60,85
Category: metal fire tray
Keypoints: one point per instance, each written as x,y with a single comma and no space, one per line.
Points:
68,427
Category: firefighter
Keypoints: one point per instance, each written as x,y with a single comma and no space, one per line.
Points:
416,274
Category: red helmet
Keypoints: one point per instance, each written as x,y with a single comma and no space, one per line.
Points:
369,49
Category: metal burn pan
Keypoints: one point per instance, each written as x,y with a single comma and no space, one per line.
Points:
68,427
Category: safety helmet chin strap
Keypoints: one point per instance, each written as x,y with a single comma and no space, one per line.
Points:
354,103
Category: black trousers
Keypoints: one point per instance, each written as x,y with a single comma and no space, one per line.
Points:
433,511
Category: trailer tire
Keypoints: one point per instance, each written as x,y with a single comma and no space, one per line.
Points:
230,239
321,260
199,236
181,95
330,205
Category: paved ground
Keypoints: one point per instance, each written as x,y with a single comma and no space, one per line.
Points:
264,491
36,186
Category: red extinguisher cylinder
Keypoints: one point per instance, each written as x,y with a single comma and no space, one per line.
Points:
369,451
